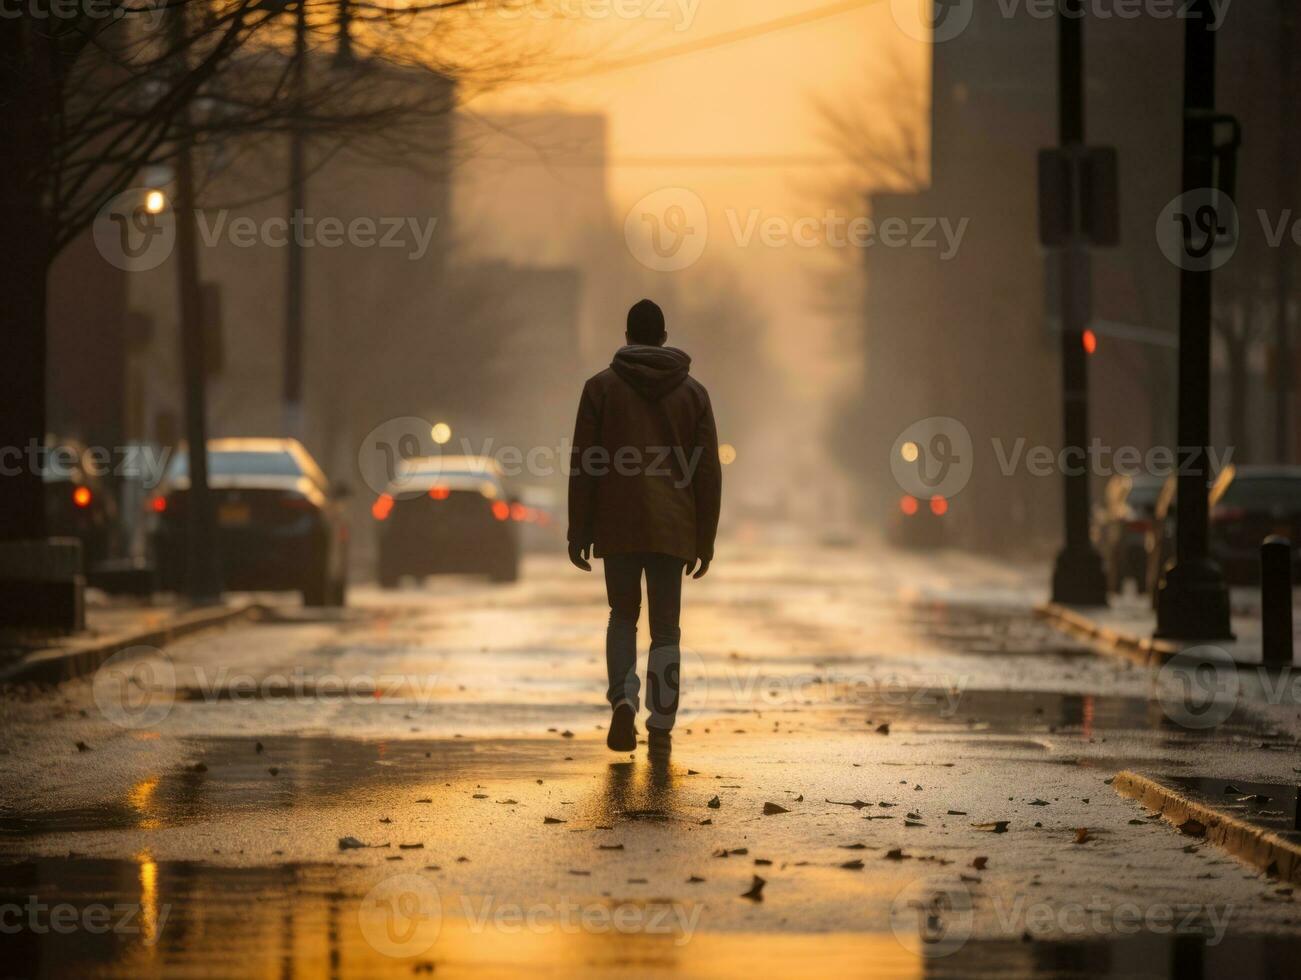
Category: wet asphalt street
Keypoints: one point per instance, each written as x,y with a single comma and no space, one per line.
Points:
884,765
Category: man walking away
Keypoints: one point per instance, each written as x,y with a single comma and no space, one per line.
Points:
645,488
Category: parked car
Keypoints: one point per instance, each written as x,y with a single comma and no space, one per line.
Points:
919,523
280,524
1253,503
1121,526
78,502
447,514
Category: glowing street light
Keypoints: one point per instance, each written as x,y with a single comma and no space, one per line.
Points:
727,454
155,202
909,452
441,433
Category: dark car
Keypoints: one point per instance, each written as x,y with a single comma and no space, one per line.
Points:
447,514
1121,526
919,523
1253,503
78,503
280,525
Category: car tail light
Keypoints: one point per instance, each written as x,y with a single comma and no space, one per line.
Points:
158,504
518,512
382,507
81,496
501,510
939,506
908,505
440,493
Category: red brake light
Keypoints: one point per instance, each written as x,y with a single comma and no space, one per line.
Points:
382,507
158,504
501,510
518,512
1090,341
81,496
440,493
939,506
908,505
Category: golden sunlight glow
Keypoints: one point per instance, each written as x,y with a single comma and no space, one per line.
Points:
148,898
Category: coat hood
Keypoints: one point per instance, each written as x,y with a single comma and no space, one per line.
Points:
652,371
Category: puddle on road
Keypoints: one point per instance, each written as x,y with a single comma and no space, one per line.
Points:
229,776
142,918
1273,806
990,631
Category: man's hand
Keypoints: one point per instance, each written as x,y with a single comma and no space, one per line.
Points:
700,569
578,554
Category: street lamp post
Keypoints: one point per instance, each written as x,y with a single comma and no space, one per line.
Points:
1078,578
1193,601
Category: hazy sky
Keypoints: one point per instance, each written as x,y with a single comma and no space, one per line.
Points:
750,97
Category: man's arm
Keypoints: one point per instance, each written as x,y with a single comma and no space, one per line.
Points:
707,485
582,484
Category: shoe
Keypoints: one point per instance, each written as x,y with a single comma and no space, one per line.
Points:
659,742
622,736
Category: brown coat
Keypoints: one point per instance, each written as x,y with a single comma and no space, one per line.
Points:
644,472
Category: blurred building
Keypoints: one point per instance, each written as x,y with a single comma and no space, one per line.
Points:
975,337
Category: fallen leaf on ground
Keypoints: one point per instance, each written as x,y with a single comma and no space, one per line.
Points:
1193,828
410,847
980,863
546,820
993,826
856,804
883,729
1082,835
755,894
772,809
854,865
714,804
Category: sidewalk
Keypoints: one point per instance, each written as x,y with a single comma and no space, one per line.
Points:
111,626
1126,627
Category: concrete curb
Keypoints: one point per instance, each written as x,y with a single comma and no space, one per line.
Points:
57,664
1255,845
1143,649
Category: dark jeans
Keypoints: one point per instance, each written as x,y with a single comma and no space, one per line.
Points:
623,574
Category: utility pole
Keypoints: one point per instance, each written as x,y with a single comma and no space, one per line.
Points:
202,571
1078,578
293,357
1193,601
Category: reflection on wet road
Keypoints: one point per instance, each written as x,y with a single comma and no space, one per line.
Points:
879,767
